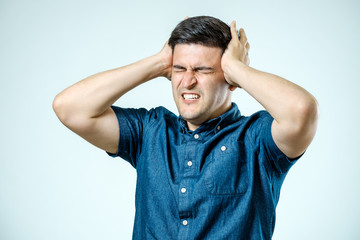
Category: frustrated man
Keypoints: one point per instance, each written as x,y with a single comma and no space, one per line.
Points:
209,173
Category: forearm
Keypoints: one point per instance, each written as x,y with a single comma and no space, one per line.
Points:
294,110
92,96
287,102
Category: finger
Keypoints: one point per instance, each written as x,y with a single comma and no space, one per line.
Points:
234,33
243,38
247,46
187,17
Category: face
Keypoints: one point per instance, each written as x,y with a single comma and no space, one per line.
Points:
198,84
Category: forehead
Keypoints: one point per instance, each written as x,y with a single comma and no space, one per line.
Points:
195,54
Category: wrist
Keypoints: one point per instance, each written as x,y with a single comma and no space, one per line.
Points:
161,66
154,66
235,72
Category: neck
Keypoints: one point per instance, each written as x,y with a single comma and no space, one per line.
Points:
194,125
191,126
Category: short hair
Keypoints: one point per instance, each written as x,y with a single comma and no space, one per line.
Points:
205,30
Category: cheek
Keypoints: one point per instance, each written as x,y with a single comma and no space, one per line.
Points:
176,80
174,87
220,91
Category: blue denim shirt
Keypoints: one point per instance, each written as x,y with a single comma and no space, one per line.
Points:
221,181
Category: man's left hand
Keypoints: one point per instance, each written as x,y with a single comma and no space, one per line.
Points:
236,51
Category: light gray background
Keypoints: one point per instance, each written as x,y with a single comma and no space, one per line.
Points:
54,185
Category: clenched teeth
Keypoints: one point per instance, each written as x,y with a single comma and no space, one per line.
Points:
191,96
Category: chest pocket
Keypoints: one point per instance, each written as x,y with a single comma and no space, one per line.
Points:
227,171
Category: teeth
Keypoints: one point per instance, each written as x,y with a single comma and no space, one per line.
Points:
191,96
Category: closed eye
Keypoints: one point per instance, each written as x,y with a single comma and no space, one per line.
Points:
204,70
178,68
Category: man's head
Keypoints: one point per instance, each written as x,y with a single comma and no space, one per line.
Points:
203,30
199,87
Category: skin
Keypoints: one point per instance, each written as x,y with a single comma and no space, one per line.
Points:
85,107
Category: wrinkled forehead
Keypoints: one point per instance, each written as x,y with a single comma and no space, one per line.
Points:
196,54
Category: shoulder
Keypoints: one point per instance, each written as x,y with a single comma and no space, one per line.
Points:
147,115
256,127
262,115
161,114
257,120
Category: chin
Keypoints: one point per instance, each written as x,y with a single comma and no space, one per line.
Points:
191,117
187,117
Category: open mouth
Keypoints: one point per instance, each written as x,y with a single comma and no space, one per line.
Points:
190,96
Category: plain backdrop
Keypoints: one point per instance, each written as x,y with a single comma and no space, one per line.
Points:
54,185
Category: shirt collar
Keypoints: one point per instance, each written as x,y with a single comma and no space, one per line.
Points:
232,115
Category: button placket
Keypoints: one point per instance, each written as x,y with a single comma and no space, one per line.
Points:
185,191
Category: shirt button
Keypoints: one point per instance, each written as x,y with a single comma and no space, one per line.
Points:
223,148
196,136
218,127
184,222
183,190
189,163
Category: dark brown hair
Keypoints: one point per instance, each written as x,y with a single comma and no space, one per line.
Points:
204,30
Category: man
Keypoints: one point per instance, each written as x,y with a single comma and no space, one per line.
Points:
209,173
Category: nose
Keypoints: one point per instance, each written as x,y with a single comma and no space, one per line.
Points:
189,80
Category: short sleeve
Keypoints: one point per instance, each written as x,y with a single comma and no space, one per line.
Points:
267,149
132,123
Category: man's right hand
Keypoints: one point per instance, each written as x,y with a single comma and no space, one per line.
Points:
166,57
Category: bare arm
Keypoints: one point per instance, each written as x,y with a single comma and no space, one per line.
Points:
294,109
85,106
